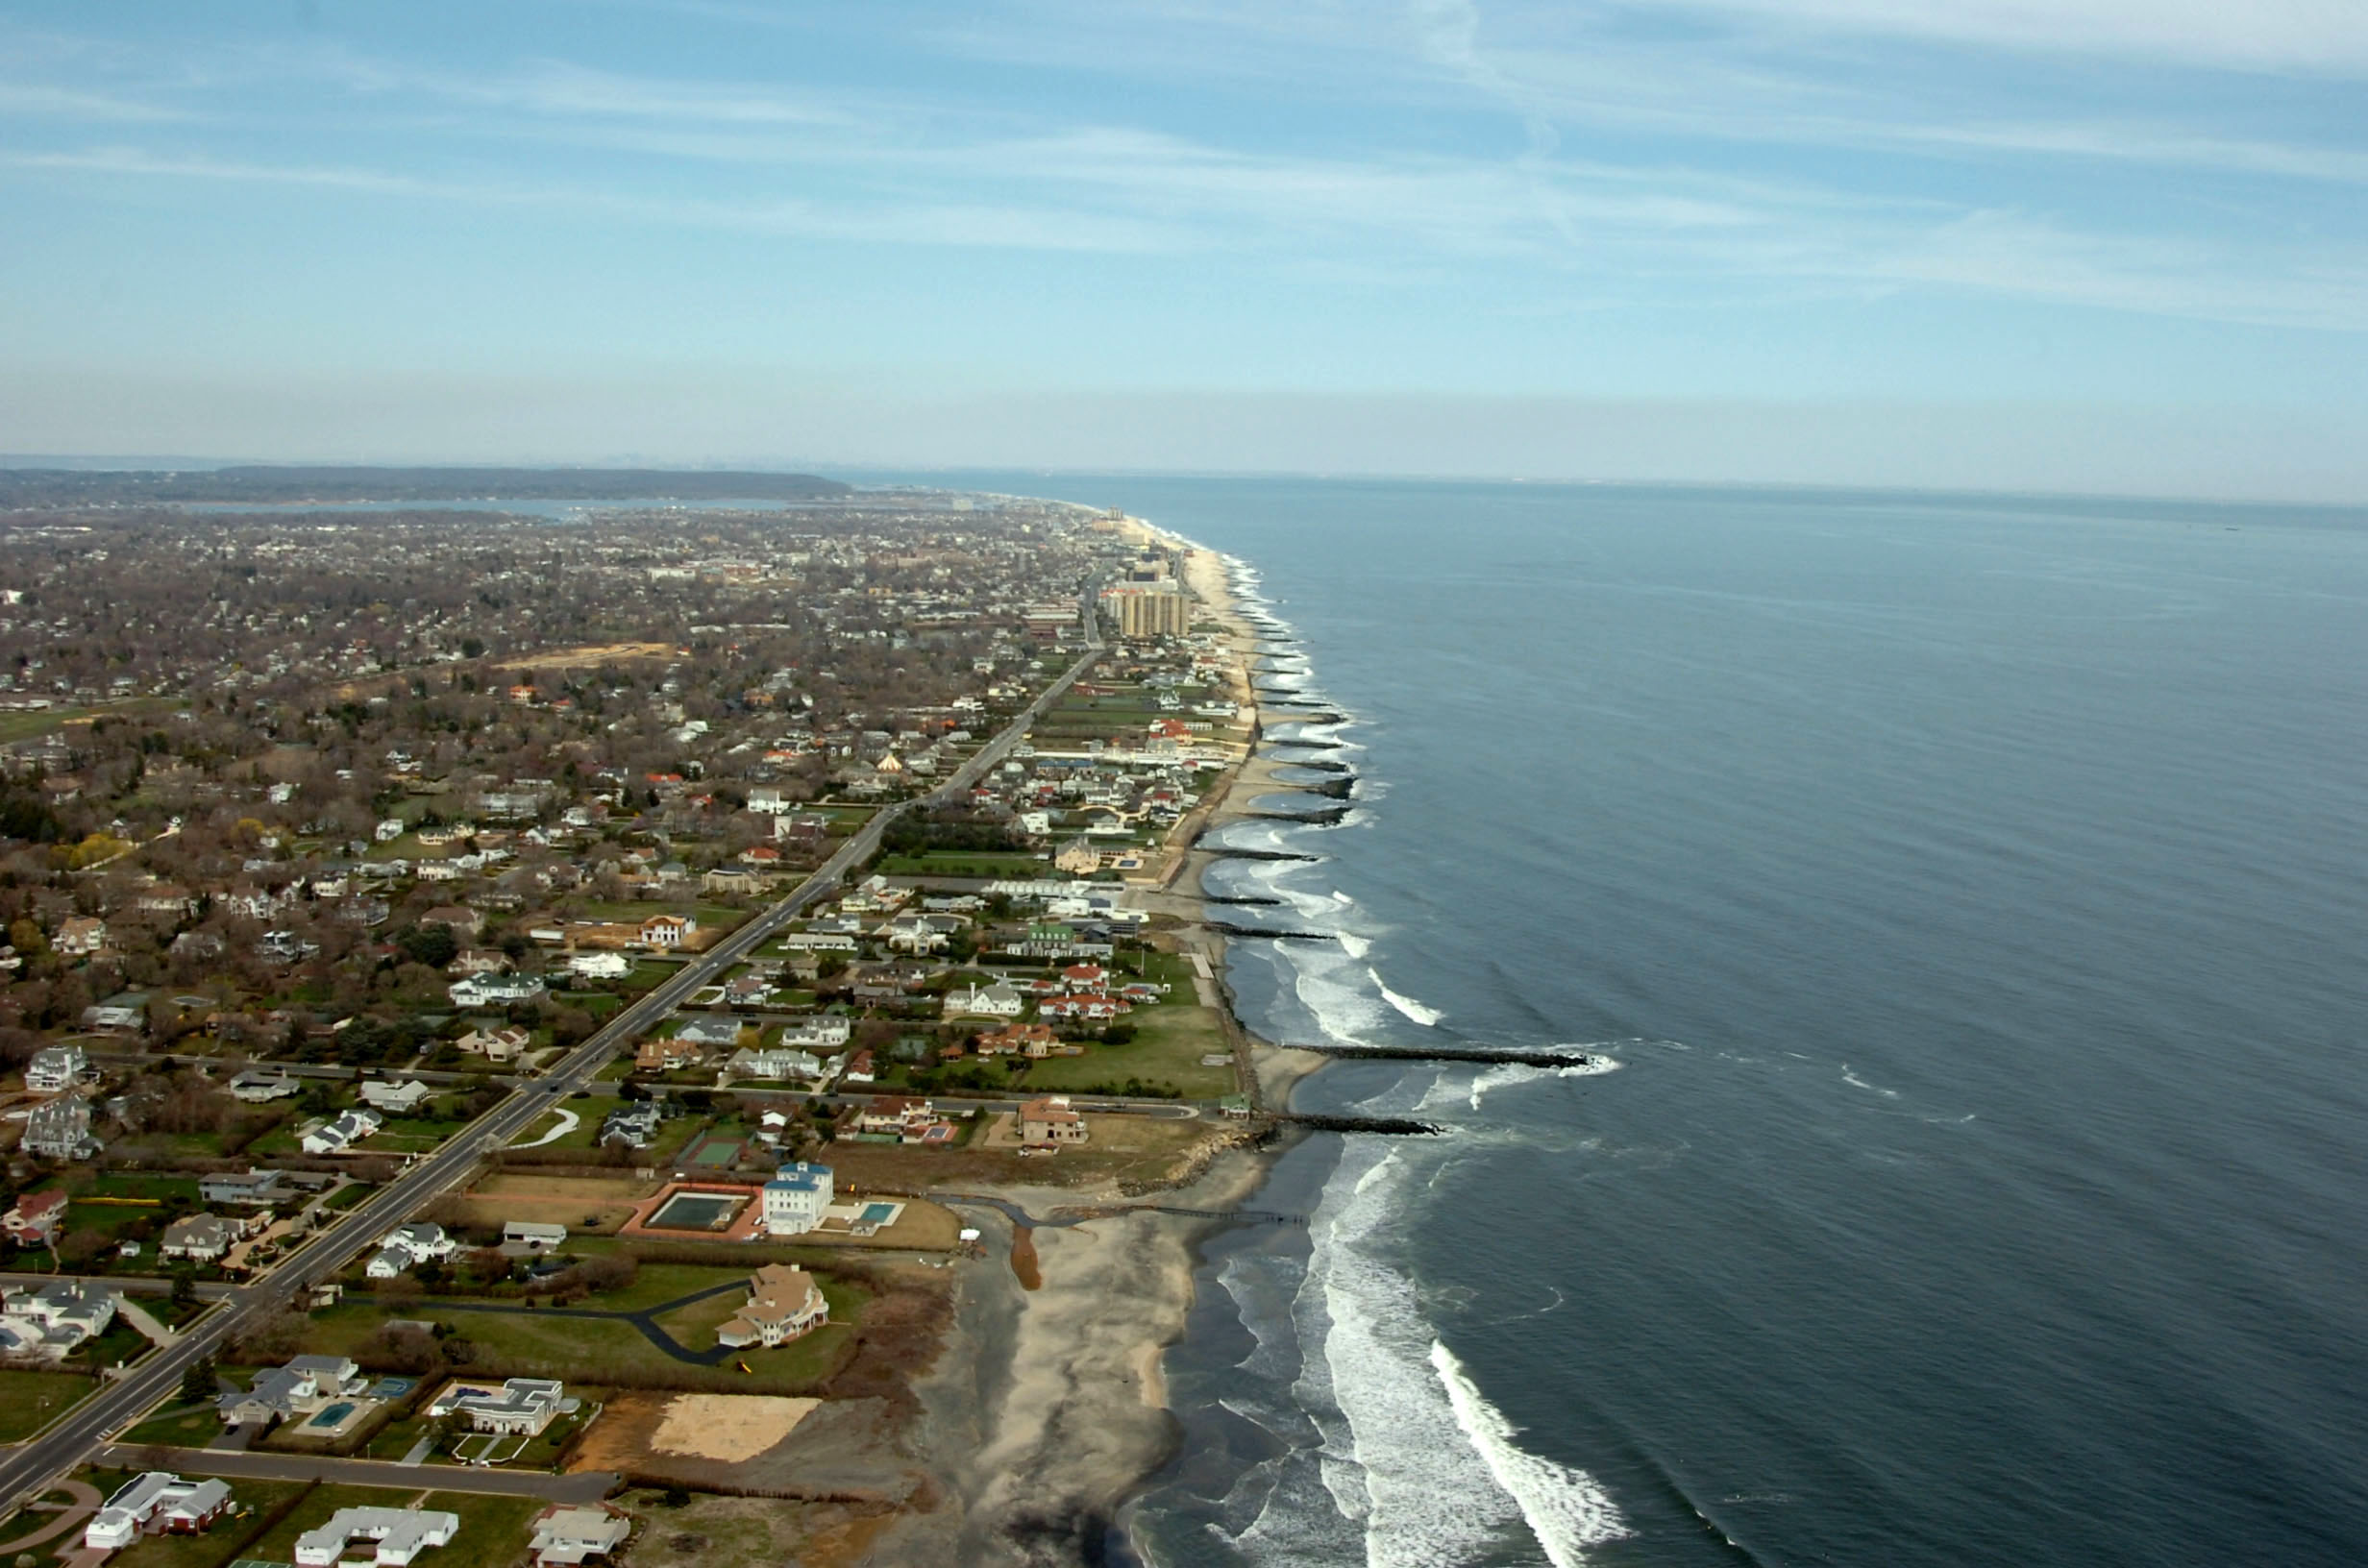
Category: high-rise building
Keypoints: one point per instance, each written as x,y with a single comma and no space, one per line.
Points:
1150,609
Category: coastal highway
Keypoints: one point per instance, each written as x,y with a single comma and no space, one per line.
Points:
33,1466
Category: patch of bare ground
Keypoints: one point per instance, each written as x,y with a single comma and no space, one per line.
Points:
748,1530
594,654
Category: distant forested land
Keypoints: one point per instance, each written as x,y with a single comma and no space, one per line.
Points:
261,485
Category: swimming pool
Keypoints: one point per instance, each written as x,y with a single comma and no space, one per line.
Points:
695,1211
878,1214
331,1416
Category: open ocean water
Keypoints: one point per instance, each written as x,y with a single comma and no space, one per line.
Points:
1970,893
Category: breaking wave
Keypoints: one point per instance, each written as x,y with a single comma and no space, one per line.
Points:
1565,1508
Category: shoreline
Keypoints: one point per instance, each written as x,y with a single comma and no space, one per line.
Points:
1045,1412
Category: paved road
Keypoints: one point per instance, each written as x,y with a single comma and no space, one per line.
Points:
29,1468
589,1486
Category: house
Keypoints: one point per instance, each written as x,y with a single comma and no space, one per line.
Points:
634,1125
668,930
999,1000
203,1239
771,799
1089,978
795,1199
399,1535
520,1407
80,935
905,1119
599,966
533,1236
536,1238
406,1247
777,1062
56,1070
479,961
1051,1121
259,1086
1032,1040
861,1067
712,1030
817,1034
397,1097
496,1044
305,1384
337,1136
53,1318
670,1054
35,1219
1078,858
462,922
565,1536
496,989
783,1303
123,1014
257,1188
60,1129
157,1502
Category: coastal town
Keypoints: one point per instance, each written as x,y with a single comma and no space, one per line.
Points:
555,1040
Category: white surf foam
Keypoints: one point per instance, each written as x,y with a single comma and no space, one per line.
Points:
1421,1013
1355,945
1857,1082
1508,1074
1565,1508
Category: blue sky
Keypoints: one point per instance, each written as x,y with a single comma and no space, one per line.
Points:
2081,244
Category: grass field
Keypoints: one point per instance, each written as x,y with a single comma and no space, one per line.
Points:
536,1343
30,1401
178,1426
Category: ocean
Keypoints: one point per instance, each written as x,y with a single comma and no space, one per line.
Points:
1965,897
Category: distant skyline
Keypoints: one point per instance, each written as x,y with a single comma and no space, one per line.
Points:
2089,245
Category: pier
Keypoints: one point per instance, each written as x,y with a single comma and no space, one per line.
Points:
1549,1057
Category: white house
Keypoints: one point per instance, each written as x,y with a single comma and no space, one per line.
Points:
407,1247
796,1198
396,1097
520,1407
532,1235
565,1536
494,990
56,1070
399,1534
599,966
51,1319
996,1001
349,1128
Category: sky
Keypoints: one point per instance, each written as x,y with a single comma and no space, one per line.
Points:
2086,245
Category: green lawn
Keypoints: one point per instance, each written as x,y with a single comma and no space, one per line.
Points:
178,1426
30,1401
493,1530
534,1343
1168,1045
